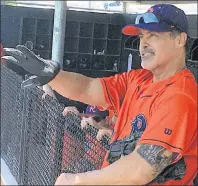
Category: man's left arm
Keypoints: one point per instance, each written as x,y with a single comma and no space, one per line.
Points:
140,167
155,150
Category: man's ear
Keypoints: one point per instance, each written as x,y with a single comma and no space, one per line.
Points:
182,38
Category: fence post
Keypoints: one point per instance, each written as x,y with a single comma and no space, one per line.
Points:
23,139
59,32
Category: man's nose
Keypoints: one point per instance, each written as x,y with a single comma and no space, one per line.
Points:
143,44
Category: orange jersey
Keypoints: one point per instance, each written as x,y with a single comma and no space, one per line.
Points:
165,111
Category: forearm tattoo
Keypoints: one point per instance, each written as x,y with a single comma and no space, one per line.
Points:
158,157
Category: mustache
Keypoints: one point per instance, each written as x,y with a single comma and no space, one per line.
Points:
147,50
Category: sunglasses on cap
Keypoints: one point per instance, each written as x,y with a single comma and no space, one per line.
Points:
149,17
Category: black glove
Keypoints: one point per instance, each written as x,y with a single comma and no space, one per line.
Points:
43,71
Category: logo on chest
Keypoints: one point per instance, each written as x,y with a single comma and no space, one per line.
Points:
139,124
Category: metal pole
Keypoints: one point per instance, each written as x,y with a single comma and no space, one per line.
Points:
125,4
59,31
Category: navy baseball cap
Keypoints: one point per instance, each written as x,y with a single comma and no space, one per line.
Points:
159,18
93,110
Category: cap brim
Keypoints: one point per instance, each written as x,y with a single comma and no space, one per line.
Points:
133,30
130,30
87,115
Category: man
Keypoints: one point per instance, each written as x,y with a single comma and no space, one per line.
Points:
98,118
78,149
155,136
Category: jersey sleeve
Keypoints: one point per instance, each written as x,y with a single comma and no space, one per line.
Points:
115,88
173,124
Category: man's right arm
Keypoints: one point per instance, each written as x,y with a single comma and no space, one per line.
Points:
105,92
79,87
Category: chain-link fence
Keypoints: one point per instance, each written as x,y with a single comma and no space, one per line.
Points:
11,119
37,142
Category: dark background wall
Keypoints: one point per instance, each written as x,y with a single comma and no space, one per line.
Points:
21,24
